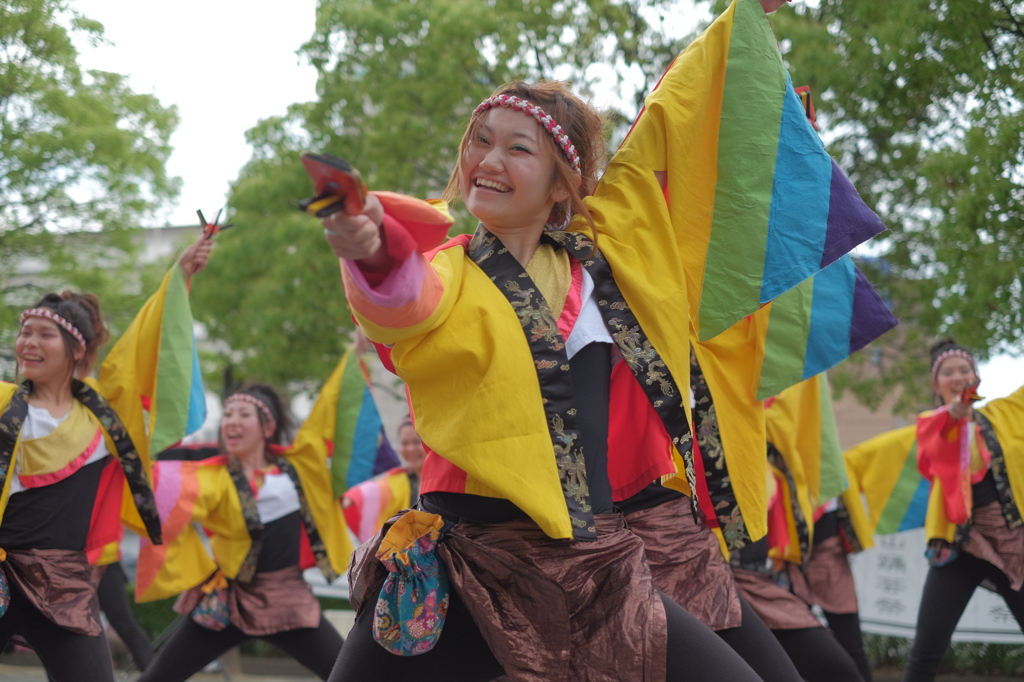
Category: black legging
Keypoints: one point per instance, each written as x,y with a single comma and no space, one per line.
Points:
946,593
462,655
66,656
846,628
754,642
114,604
192,646
817,655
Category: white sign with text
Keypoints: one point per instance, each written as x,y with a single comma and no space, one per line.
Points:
890,578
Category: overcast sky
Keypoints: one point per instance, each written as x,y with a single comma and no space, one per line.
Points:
226,64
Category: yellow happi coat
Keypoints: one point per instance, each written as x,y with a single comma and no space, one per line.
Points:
129,382
203,492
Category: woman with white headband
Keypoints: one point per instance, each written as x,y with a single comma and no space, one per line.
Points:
65,456
975,461
269,512
516,344
546,582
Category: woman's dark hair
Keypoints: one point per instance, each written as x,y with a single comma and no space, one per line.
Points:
579,120
943,346
82,311
266,394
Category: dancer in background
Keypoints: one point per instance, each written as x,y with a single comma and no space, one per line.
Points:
111,588
66,454
974,459
826,579
684,554
269,510
368,505
815,652
759,567
410,448
804,448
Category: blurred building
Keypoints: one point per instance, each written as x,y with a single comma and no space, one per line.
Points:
857,423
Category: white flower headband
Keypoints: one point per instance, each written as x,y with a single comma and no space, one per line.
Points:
253,400
953,352
546,122
48,314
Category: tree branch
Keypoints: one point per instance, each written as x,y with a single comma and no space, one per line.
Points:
991,48
1009,12
541,60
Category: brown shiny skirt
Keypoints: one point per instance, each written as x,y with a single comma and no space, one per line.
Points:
779,608
827,579
548,609
687,563
991,540
58,582
271,602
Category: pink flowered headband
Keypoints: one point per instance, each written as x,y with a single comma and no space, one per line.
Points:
954,352
253,400
48,314
546,122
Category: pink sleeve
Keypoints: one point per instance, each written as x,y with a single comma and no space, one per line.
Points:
404,296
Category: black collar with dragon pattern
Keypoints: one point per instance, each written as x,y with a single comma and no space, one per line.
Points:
552,364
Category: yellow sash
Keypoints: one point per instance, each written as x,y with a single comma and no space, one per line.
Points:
47,460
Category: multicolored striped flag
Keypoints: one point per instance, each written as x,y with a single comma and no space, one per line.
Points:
151,377
346,416
884,474
158,395
818,324
747,178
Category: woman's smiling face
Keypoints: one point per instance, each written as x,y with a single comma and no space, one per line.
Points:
410,447
954,375
508,179
41,351
241,430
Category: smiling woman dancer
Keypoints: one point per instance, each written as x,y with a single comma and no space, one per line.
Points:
61,491
974,523
546,583
582,607
506,341
258,502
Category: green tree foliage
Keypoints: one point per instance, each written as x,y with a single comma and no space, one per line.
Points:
397,83
922,102
78,151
